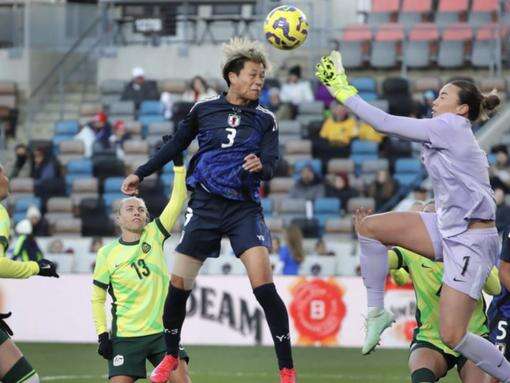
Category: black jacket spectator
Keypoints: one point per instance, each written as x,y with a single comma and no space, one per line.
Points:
339,188
139,89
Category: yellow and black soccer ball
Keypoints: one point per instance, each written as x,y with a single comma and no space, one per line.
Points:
286,27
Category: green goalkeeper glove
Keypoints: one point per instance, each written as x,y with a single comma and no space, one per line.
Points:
331,72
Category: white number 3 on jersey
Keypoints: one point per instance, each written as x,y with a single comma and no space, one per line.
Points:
230,137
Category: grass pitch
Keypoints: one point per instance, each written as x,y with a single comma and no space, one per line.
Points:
80,363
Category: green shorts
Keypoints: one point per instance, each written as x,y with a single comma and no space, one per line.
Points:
3,336
130,355
451,360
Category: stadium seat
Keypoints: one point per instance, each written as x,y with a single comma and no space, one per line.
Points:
22,204
267,206
151,108
414,11
109,200
340,165
82,166
383,11
408,165
407,179
58,208
160,128
67,227
66,128
373,166
487,84
22,186
483,12
486,52
360,202
298,147
89,109
421,46
289,130
149,119
70,150
113,184
318,266
339,226
423,84
274,224
366,86
114,87
292,208
453,45
311,107
354,45
122,108
136,147
451,11
134,128
385,47
364,147
326,208
84,188
316,165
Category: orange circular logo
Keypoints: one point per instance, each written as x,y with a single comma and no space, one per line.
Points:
317,309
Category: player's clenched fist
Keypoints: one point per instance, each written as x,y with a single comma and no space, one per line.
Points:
252,163
130,185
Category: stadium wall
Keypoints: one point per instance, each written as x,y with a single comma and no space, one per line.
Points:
221,311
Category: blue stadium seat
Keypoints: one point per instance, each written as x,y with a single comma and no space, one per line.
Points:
113,184
364,147
57,139
315,164
67,128
367,87
82,166
267,206
491,158
147,120
406,179
16,217
74,176
360,158
22,204
408,165
151,108
110,198
326,205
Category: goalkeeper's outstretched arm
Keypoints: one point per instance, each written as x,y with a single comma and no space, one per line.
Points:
173,208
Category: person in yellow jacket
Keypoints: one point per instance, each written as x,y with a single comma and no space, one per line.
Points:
14,367
132,269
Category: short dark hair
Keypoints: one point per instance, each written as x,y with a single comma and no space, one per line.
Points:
235,66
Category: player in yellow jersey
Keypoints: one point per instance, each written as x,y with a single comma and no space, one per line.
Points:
430,359
14,368
132,269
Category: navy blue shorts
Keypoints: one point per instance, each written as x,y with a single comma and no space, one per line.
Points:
499,331
210,217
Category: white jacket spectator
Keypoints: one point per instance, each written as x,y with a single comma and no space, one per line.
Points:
295,90
87,136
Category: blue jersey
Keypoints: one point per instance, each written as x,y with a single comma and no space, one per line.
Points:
500,305
226,134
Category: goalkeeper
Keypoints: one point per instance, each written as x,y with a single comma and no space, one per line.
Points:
14,368
430,359
133,270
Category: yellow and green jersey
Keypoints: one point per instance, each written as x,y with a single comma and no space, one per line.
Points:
427,277
136,276
5,230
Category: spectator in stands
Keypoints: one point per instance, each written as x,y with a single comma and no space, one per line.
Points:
281,111
383,188
22,163
26,248
500,171
57,247
309,185
419,194
292,253
198,90
275,245
366,132
102,130
322,249
425,107
95,244
40,226
45,168
338,187
119,136
87,136
139,89
502,210
340,128
295,90
322,94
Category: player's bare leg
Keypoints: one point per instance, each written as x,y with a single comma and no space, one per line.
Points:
426,365
375,232
454,333
258,267
472,374
13,365
122,379
181,375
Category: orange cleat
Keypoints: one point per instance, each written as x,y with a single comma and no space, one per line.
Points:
162,372
287,375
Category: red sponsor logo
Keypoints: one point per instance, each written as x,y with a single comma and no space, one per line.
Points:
317,309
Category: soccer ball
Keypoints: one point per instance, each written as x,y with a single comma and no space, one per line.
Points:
286,27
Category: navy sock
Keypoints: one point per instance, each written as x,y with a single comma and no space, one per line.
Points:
278,321
173,318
